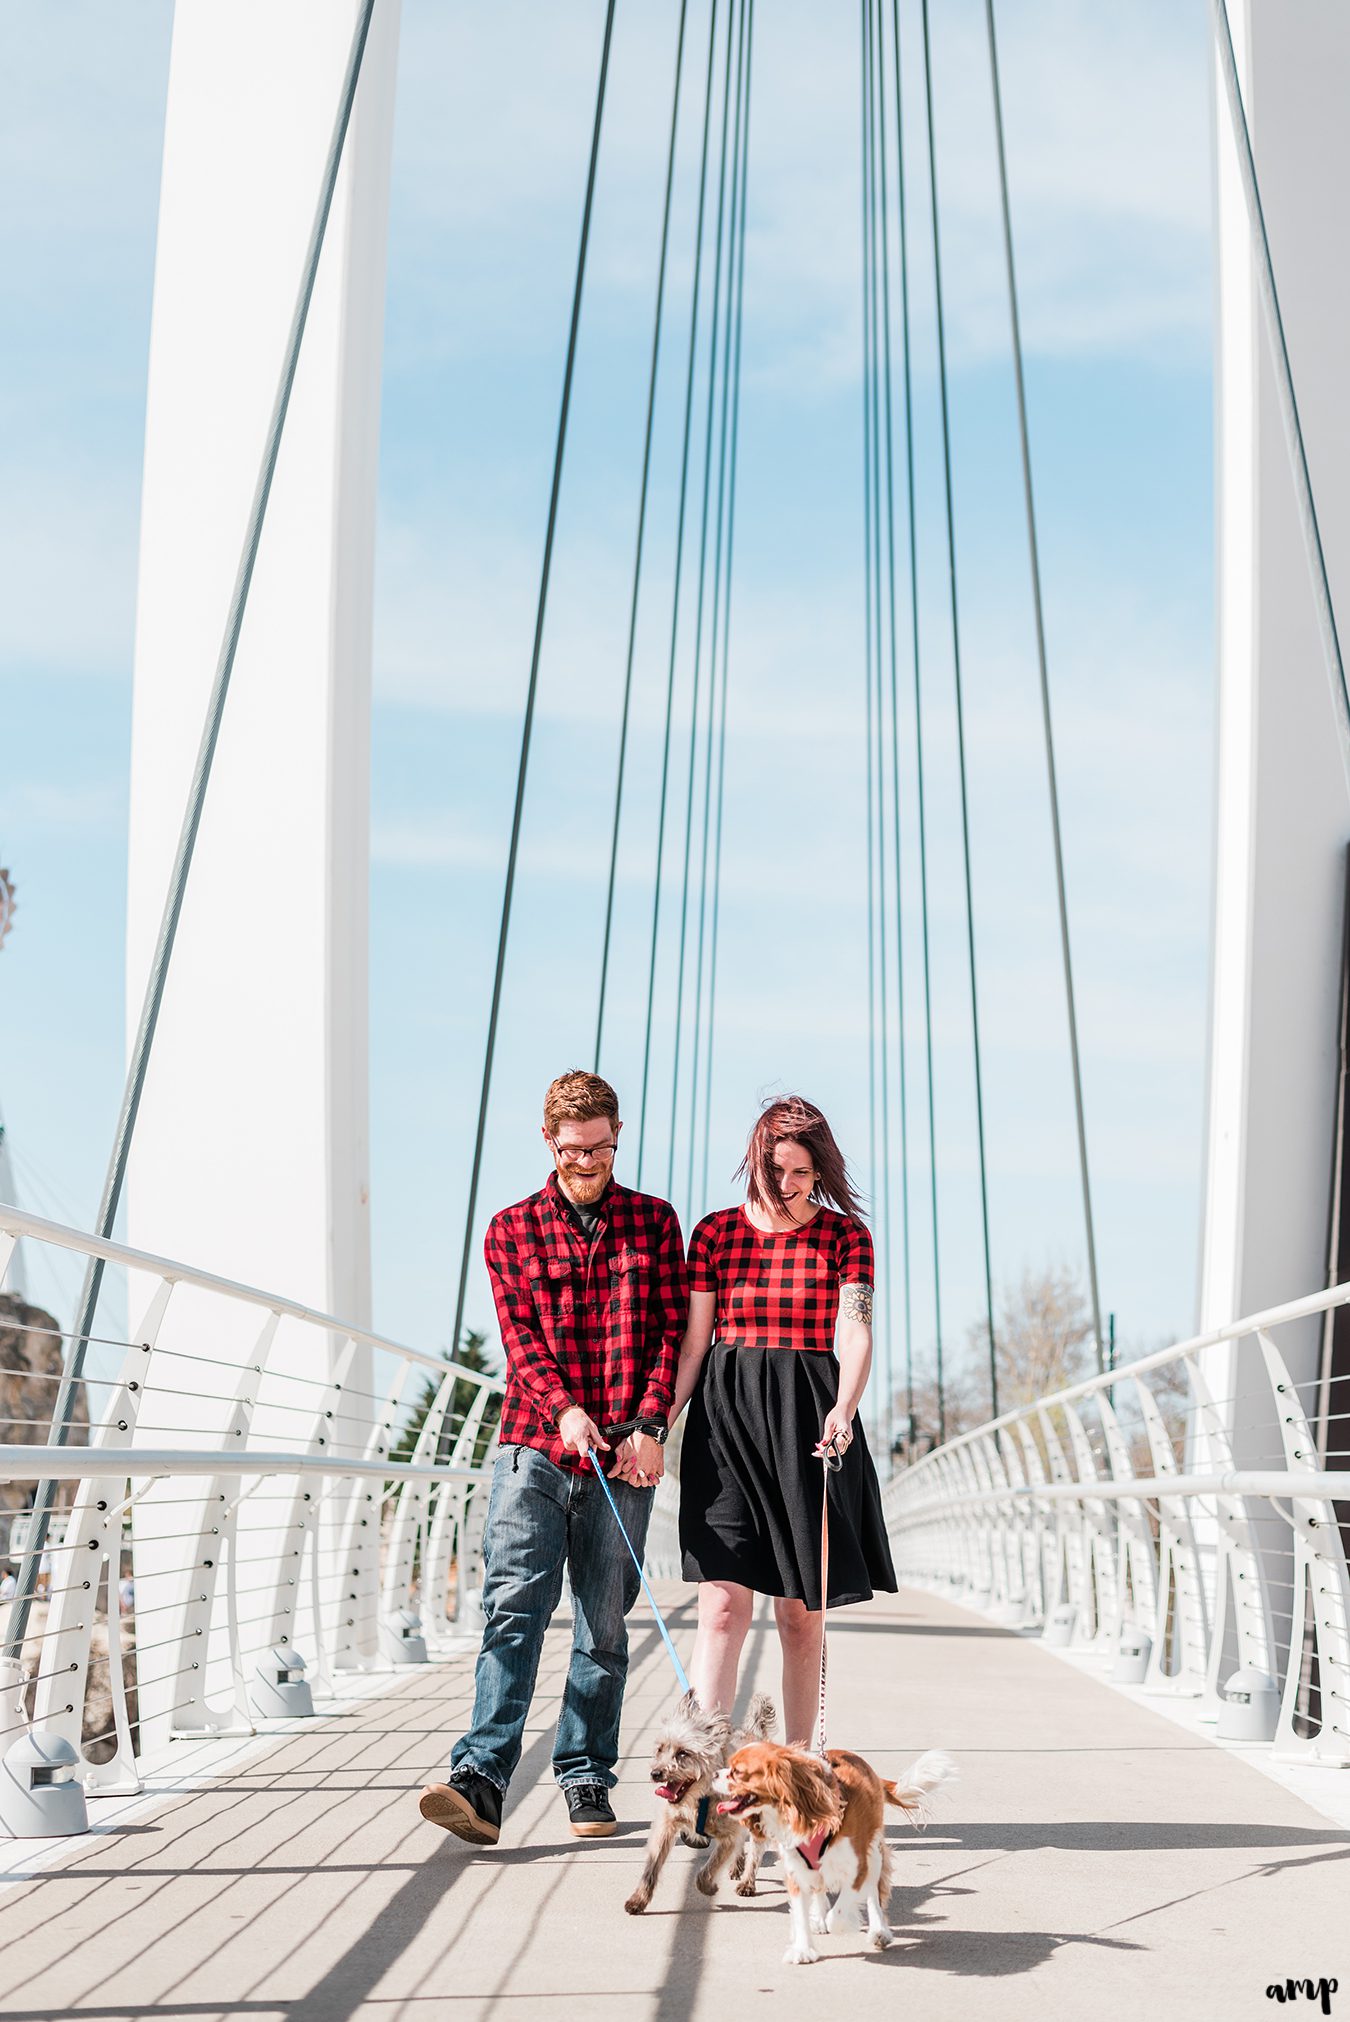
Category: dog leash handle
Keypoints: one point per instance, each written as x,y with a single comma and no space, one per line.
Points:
680,1672
833,1461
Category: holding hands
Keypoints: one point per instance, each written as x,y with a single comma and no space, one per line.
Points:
639,1459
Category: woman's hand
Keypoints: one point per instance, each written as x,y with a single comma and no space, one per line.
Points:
641,1461
838,1427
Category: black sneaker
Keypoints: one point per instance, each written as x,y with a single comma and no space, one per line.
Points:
589,1809
466,1805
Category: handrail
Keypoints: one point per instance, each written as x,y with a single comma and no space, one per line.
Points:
1235,1330
17,1222
84,1463
1191,1540
239,1466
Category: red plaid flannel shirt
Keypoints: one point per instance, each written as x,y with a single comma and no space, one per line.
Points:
597,1324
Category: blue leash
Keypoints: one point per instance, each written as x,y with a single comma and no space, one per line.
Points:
680,1672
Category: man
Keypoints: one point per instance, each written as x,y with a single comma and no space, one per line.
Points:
589,1283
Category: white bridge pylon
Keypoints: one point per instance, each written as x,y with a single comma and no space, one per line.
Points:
251,1148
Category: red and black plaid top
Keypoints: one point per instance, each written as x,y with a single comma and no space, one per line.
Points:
778,1291
595,1323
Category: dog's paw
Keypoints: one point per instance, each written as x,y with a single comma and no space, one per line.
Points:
705,1883
800,1955
843,1917
637,1903
882,1937
746,1886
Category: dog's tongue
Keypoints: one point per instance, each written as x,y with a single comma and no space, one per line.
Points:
669,1791
730,1804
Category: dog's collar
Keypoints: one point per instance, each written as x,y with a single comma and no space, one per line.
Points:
812,1850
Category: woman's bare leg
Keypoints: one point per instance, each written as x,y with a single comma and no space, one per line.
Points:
799,1631
724,1612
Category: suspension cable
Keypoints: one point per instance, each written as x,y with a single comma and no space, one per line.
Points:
532,690
960,707
738,241
1033,552
641,530
713,685
920,769
874,141
187,841
698,618
864,135
675,601
894,760
1284,374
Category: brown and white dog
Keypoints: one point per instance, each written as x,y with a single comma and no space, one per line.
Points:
829,1827
686,1756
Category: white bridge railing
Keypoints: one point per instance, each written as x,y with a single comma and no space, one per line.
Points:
1176,1518
255,1496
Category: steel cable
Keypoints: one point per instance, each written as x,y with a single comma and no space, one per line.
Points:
960,706
675,599
475,1172
698,618
901,1065
881,377
920,768
1034,560
641,531
719,524
738,241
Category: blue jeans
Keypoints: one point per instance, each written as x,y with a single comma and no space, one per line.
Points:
541,1518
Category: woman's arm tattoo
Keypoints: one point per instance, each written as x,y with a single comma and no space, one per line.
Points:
855,1303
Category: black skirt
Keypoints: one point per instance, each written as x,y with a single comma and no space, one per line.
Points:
750,1485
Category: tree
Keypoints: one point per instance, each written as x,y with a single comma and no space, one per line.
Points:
1042,1337
1042,1343
472,1355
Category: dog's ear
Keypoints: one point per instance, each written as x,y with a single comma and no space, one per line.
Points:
689,1705
804,1792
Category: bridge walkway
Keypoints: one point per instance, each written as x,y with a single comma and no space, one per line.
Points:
1095,1858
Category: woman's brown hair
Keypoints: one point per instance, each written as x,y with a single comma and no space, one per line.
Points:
793,1120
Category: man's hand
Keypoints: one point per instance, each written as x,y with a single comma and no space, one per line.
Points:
579,1433
640,1460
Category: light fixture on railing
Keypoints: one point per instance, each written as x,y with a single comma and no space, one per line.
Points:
1251,1707
280,1687
401,1638
1132,1657
1059,1627
41,1796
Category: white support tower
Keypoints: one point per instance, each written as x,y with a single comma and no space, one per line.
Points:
1283,813
250,1155
251,1152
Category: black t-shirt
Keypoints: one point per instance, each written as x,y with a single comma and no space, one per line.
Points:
588,1216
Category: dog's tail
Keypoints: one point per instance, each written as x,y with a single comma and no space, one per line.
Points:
922,1778
762,1717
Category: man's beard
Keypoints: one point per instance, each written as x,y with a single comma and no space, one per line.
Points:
584,1188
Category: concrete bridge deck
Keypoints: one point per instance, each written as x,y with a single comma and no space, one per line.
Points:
1095,1858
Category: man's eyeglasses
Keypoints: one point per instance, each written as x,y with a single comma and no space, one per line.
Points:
572,1154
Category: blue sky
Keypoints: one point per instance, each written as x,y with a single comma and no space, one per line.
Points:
1108,118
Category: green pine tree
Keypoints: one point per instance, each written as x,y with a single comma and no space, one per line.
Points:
472,1355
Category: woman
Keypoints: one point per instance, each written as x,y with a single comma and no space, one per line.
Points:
767,1283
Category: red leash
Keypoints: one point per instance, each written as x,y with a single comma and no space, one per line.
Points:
833,1461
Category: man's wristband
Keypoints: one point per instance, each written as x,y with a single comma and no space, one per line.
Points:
654,1428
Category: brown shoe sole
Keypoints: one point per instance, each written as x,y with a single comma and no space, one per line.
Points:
450,1808
602,1829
